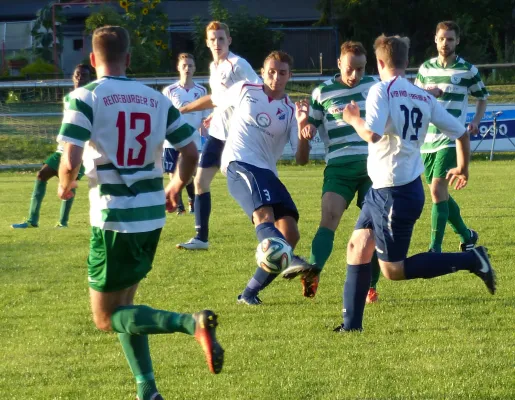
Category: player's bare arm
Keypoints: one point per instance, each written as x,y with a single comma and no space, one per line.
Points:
473,127
351,116
306,130
69,170
459,175
186,167
201,104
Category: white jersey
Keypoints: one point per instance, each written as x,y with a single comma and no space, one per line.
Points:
400,112
221,77
180,96
126,123
260,127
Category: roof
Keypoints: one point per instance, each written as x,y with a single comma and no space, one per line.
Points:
181,12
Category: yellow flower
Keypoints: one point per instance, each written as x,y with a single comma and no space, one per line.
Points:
158,42
152,28
144,11
162,28
164,46
152,6
137,33
124,4
157,1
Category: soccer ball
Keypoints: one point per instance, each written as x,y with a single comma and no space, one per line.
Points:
273,255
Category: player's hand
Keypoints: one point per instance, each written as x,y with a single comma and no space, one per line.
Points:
302,111
458,176
172,197
66,194
436,92
308,132
472,129
207,121
350,112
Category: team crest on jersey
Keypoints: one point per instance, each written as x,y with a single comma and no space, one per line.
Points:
263,120
280,114
455,79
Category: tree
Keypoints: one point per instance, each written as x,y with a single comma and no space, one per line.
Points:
251,36
42,32
147,29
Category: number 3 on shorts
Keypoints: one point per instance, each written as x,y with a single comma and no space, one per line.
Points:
267,194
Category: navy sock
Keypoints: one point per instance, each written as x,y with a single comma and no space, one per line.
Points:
431,265
258,282
190,189
261,278
355,289
266,230
202,213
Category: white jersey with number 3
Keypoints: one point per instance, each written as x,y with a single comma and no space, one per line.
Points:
260,126
400,112
221,77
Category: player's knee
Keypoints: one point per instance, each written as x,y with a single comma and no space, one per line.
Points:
391,272
330,219
102,322
201,184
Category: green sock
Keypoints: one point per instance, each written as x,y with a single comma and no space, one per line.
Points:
35,202
137,352
376,271
321,247
143,320
66,206
456,221
439,217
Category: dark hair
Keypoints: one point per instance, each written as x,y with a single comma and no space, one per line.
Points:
448,26
355,48
281,56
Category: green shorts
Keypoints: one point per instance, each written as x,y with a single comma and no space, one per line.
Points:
346,180
438,163
53,161
117,260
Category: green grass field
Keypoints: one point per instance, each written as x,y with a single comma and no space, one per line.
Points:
444,338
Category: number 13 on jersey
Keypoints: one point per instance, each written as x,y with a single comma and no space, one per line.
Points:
134,138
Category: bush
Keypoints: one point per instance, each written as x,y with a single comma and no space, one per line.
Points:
38,68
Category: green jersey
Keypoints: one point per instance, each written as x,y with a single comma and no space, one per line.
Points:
342,143
456,81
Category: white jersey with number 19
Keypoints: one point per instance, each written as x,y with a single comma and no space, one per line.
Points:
125,123
400,112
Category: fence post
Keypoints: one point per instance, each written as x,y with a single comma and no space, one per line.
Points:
321,64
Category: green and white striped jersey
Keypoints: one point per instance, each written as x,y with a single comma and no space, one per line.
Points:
342,143
456,81
122,124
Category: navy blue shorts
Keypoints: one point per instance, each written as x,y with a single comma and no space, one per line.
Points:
254,187
170,157
211,154
391,213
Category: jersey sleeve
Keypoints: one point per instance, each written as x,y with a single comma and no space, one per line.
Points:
316,110
77,117
245,72
477,87
377,109
229,98
178,132
447,123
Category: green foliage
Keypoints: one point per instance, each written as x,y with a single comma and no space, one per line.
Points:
147,29
42,32
38,67
251,37
488,30
12,97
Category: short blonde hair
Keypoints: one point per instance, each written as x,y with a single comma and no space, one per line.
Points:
216,26
392,50
281,56
111,43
